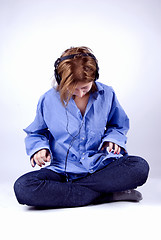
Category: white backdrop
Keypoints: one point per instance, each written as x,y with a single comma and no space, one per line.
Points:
125,36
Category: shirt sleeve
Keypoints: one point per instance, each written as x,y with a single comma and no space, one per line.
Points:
37,132
117,125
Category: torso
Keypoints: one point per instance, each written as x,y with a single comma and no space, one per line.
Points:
82,103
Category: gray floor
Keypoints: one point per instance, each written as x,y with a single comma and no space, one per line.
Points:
120,220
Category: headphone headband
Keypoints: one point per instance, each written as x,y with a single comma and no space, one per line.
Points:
59,60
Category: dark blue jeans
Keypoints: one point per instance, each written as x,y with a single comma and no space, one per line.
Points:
46,188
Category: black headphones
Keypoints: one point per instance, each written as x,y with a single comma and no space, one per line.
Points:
59,60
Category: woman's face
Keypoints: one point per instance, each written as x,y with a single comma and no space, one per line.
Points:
82,89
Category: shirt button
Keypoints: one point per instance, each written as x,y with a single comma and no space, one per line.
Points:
73,156
83,138
91,170
83,158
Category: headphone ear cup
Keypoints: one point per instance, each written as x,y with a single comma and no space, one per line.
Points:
57,77
97,72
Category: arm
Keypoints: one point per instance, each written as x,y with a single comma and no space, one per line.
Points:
37,140
116,128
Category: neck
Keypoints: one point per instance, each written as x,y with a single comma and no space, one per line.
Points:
82,103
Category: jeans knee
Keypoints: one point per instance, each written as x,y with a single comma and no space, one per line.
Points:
18,191
144,167
21,189
141,169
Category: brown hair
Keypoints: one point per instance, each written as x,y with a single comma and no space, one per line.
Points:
78,69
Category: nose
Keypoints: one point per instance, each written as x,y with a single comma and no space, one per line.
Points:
80,93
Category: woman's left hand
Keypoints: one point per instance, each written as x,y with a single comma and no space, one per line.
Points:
111,146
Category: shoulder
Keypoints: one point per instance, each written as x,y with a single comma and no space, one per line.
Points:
51,96
105,89
51,93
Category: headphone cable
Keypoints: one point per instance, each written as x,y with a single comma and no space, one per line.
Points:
72,141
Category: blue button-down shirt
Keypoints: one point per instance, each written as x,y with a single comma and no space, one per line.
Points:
73,140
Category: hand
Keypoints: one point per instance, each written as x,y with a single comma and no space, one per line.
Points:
111,146
40,157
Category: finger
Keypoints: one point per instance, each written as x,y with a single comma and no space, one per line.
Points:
48,158
41,157
115,148
43,154
119,150
110,146
39,161
105,145
32,162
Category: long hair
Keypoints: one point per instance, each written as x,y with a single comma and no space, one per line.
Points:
78,69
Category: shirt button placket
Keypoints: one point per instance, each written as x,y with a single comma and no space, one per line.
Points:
82,139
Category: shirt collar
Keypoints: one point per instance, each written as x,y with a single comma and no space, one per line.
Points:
100,90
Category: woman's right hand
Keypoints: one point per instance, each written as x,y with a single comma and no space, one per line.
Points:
40,158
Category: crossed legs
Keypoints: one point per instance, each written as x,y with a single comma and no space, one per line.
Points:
45,188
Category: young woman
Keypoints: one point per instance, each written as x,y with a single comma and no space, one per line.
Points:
80,128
